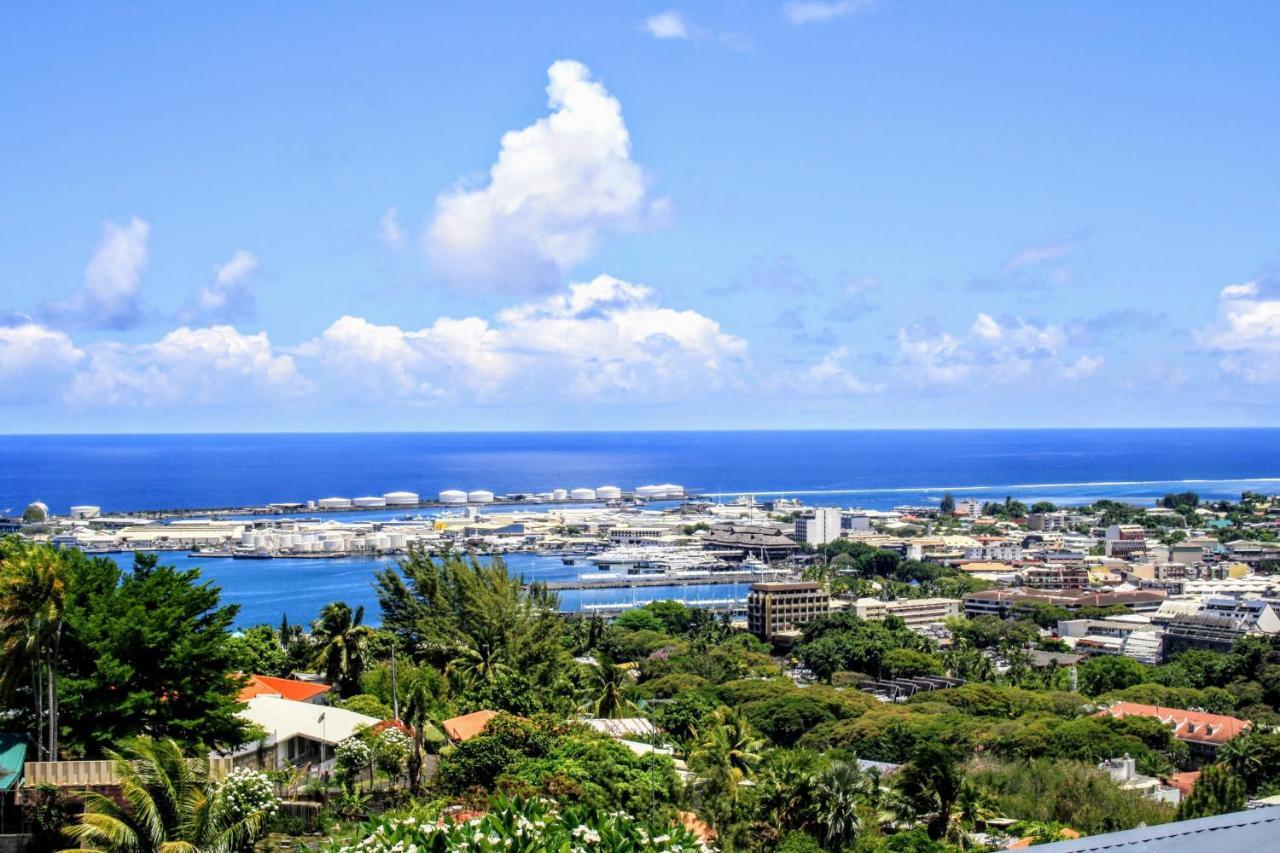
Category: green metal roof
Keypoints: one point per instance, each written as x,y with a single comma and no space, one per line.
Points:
13,754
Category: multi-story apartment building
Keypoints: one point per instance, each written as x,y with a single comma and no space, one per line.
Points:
1056,576
913,611
1123,540
778,609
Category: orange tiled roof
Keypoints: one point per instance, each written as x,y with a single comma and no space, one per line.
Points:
1021,843
1195,726
468,725
285,688
1184,782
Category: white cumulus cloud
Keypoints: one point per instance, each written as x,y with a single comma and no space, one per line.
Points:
599,339
1085,365
34,361
556,186
110,297
802,12
228,297
995,350
188,366
667,25
1246,335
831,375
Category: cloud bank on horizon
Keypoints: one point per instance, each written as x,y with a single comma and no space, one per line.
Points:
536,291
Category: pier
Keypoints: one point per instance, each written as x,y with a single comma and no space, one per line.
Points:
640,581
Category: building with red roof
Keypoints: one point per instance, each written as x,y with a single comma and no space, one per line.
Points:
1204,733
285,688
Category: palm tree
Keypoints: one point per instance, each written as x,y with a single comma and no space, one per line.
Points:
33,591
727,754
837,792
482,659
425,707
341,641
929,785
170,806
610,683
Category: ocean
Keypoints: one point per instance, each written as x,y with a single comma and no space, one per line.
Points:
873,469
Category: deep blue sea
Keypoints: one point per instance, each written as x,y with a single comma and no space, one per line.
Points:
874,469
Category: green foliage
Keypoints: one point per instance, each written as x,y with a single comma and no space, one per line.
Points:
480,760
257,651
905,663
475,621
146,651
988,632
170,803
351,758
784,719
1254,757
1071,793
1105,673
842,641
1217,791
391,749
341,642
524,826
370,706
45,812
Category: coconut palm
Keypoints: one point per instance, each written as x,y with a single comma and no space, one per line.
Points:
341,640
726,755
170,806
609,684
837,793
929,786
33,590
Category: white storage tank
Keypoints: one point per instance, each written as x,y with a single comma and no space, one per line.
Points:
559,495
332,545
401,498
396,540
583,494
334,503
86,511
369,502
651,492
480,496
608,493
453,496
673,491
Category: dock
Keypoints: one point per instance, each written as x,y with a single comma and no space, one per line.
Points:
640,581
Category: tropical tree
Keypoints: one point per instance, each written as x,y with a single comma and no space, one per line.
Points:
837,792
608,685
33,592
170,805
426,705
473,620
929,786
341,642
727,754
1217,791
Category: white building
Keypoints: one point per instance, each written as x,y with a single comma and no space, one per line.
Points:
298,734
913,611
818,526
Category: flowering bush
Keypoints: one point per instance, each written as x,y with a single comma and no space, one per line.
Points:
391,751
526,826
246,792
350,758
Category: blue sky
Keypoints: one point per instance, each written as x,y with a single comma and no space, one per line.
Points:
635,215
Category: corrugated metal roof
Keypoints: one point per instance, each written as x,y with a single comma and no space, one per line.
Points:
1252,831
13,755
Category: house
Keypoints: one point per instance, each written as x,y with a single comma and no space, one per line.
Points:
458,729
285,688
1204,733
297,734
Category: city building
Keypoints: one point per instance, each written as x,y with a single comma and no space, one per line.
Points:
913,611
818,526
764,541
1009,602
1123,540
1056,576
1202,732
778,609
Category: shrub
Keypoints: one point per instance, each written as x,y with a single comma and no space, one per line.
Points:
351,758
532,826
